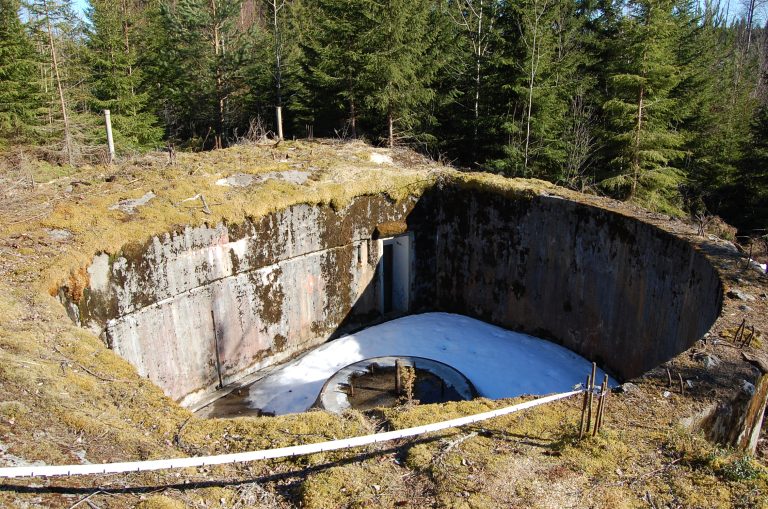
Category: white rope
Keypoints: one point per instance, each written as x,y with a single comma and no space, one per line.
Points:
282,452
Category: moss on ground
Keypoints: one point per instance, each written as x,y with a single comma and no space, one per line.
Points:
65,396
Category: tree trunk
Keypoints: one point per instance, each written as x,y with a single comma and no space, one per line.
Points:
750,18
68,150
278,63
219,136
353,118
534,68
636,148
391,124
127,43
478,58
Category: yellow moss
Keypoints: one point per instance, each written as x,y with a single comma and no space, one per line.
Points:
13,411
161,502
356,485
218,436
217,497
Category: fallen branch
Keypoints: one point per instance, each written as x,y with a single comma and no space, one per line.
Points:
70,361
200,197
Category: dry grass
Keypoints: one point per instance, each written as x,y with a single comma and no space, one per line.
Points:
65,396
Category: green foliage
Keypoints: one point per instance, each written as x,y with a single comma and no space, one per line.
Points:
19,97
333,59
546,83
193,64
654,100
642,109
374,59
115,76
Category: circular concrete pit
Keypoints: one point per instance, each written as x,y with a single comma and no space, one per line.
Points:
388,381
203,310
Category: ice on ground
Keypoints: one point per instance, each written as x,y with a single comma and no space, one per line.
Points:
500,363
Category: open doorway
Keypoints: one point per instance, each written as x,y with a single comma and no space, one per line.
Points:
395,274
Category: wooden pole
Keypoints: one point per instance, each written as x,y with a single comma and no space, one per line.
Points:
601,406
398,388
584,407
216,347
591,389
739,331
110,140
682,386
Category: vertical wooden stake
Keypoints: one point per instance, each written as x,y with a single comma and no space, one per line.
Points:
740,331
748,340
601,406
216,347
682,386
669,378
110,140
584,407
398,388
591,389
351,387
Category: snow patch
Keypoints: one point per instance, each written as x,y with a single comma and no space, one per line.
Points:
500,363
381,158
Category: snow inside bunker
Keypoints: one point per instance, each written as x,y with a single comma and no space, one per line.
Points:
518,292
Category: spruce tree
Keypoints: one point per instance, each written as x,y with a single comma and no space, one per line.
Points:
115,75
19,100
546,83
642,110
193,67
334,60
747,205
404,54
468,119
58,36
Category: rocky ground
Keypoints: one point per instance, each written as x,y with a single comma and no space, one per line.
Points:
66,398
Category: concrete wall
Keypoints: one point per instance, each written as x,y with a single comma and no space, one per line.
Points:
613,289
204,306
201,307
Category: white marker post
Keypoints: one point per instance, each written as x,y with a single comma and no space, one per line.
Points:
110,141
279,123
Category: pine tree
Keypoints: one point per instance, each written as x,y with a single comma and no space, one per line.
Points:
642,109
115,75
19,99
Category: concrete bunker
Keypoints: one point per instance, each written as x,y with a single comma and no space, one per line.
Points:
201,308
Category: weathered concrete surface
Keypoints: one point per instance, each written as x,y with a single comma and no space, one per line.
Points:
201,307
611,288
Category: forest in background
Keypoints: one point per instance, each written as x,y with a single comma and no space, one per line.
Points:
663,102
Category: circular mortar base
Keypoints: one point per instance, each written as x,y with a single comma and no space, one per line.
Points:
371,383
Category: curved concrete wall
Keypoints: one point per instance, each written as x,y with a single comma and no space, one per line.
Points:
611,288
202,307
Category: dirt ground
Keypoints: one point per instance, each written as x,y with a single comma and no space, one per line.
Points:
66,398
